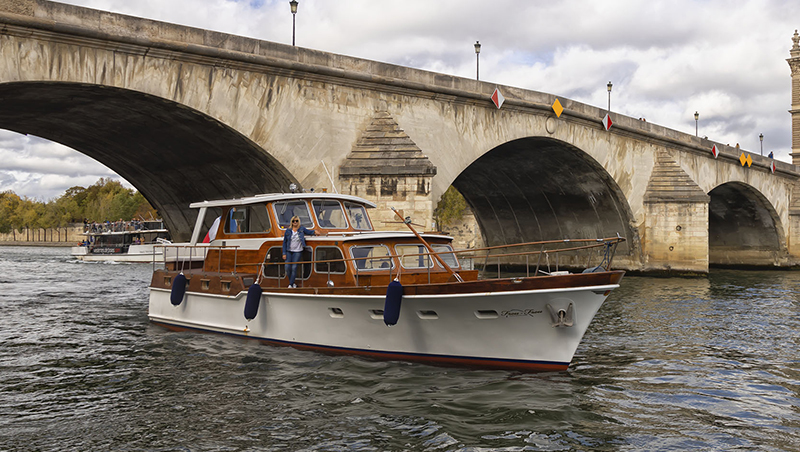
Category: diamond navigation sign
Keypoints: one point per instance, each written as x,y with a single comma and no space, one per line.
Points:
558,108
498,98
607,121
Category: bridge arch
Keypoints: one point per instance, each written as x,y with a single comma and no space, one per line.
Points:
743,226
539,188
173,154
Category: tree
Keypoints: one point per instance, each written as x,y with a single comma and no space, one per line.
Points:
450,208
105,200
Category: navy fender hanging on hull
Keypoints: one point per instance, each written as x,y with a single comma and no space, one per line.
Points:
252,302
391,308
178,290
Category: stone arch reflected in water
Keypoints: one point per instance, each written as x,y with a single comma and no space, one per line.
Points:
536,188
173,154
743,227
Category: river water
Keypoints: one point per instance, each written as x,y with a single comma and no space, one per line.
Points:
668,364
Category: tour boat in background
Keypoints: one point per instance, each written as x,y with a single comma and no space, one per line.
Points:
398,295
130,241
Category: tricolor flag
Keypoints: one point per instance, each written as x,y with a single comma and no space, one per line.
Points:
212,231
607,121
715,151
498,98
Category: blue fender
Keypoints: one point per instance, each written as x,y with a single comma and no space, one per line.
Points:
178,290
252,302
391,308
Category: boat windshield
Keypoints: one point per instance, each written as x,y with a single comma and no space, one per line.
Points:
413,256
358,216
285,210
247,219
372,257
445,252
329,214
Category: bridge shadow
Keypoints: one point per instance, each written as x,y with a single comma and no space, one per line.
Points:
743,227
536,188
172,154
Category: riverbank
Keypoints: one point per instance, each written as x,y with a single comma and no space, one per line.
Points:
51,244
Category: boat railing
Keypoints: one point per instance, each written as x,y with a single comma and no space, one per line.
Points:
538,257
185,254
552,254
543,258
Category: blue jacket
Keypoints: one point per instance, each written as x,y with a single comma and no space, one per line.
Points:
287,237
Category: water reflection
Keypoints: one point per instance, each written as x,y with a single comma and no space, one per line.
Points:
706,363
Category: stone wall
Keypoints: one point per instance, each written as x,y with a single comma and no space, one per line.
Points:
675,237
68,236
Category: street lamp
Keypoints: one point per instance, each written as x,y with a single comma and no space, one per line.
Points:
293,6
761,139
609,96
478,60
696,118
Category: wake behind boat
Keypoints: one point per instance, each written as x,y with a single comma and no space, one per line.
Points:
391,295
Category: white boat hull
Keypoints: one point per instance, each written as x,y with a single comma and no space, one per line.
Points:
512,330
136,253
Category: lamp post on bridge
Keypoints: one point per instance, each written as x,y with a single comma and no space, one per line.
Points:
293,6
477,60
761,139
609,95
696,118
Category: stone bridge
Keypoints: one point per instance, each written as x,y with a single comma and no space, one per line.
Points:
187,115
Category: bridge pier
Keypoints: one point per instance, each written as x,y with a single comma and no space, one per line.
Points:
675,238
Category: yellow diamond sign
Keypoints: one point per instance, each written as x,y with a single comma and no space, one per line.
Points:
749,160
742,159
558,108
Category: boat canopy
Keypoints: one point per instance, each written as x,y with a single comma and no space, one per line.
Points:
280,197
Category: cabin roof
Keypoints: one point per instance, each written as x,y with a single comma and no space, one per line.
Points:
270,197
381,235
136,232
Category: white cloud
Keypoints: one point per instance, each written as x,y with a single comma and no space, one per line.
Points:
667,59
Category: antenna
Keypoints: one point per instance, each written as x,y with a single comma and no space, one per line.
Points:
333,186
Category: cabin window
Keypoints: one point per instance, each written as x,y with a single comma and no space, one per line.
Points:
329,253
329,214
273,264
251,219
414,256
285,210
374,257
358,216
447,255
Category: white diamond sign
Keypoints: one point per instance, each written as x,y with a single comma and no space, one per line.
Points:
715,151
498,98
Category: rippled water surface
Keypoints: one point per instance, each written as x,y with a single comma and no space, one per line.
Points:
668,364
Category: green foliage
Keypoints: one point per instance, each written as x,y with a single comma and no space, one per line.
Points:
105,200
450,208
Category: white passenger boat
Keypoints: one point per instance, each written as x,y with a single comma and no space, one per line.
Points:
390,295
128,242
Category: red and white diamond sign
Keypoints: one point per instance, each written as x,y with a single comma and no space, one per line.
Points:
498,98
607,121
715,151
772,166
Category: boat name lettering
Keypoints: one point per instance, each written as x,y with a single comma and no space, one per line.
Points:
520,312
104,250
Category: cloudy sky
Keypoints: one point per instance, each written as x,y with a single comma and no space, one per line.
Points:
666,59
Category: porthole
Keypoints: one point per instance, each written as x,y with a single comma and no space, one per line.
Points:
486,314
427,315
